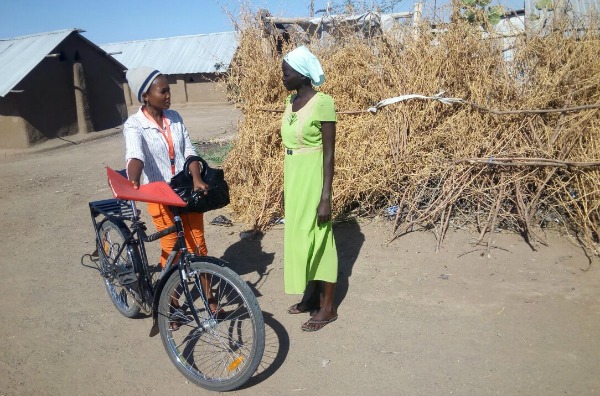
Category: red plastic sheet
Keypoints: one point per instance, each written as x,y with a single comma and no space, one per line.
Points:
155,192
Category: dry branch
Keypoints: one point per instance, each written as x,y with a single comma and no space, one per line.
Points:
519,161
437,165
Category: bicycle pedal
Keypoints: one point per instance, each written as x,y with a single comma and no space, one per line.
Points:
179,316
126,275
127,279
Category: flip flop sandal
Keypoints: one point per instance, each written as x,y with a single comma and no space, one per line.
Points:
294,310
221,221
316,325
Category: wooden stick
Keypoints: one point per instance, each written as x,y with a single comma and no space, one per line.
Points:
516,161
400,206
480,108
535,136
484,229
444,224
526,214
496,210
477,217
533,111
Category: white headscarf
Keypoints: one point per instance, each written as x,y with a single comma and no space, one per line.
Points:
305,63
140,79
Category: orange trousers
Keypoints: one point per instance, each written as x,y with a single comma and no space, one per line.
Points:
193,227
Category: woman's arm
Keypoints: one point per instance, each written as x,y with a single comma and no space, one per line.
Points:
199,184
324,209
188,150
134,171
134,154
188,146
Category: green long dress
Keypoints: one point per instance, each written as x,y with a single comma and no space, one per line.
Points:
309,251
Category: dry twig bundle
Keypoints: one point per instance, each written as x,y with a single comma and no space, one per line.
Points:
440,164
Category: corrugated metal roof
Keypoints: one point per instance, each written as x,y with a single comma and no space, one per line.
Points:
577,10
202,53
19,55
577,7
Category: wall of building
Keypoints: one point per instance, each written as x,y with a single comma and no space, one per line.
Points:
13,131
104,83
202,87
178,89
187,88
46,107
206,92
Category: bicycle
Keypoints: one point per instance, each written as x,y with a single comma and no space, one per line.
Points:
209,320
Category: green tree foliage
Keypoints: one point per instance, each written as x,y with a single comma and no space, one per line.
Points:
480,12
544,5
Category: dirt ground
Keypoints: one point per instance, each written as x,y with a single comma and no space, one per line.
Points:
411,321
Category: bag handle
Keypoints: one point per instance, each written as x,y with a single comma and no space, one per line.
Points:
192,158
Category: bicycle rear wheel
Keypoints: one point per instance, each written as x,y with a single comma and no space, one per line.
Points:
225,350
112,237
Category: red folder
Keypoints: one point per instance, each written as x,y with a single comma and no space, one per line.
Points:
155,192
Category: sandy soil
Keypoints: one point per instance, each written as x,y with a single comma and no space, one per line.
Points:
411,321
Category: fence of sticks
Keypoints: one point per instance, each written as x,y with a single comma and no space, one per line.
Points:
519,151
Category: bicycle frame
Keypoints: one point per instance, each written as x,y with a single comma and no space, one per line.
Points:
208,318
120,211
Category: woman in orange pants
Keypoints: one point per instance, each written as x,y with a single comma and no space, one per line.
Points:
193,226
157,145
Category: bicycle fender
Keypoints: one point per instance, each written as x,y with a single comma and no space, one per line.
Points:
158,290
165,277
210,259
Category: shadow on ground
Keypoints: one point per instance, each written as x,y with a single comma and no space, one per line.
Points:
246,256
349,240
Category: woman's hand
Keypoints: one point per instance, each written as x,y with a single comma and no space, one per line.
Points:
324,212
200,185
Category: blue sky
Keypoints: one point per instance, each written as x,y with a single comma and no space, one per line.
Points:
108,21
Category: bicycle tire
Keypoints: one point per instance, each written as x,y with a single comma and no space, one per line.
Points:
112,237
226,349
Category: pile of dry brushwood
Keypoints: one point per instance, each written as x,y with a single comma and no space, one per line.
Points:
519,152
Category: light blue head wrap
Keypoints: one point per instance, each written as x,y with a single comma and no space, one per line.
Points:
305,63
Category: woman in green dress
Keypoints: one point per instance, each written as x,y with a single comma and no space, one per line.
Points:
308,134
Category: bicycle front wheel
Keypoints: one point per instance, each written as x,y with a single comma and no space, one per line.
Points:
224,351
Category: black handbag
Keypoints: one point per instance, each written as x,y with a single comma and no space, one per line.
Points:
218,193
